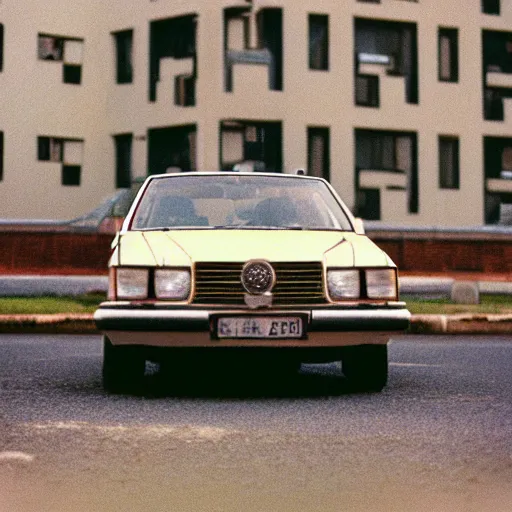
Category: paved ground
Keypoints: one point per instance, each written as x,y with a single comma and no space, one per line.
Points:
33,286
439,438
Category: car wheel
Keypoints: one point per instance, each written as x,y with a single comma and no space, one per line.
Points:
366,367
123,368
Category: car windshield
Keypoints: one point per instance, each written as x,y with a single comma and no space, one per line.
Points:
238,202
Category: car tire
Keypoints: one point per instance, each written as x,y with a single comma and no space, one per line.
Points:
123,368
366,367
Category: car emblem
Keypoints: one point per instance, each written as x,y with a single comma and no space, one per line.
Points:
258,277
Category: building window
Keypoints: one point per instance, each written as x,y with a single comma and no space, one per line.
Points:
1,47
72,74
319,41
49,149
67,50
318,152
251,145
71,175
449,162
123,144
124,49
67,152
386,48
498,177
185,90
448,54
497,64
367,90
50,47
172,149
385,161
491,7
1,156
174,40
253,40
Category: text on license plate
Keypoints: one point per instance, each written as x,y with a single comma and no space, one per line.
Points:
260,327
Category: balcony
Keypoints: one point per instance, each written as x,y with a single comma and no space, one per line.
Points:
249,145
497,73
253,40
375,64
502,185
390,190
498,177
382,180
173,48
387,50
497,104
177,82
245,61
498,80
498,199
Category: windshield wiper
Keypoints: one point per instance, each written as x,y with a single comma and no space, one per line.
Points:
171,228
243,226
239,226
326,229
230,226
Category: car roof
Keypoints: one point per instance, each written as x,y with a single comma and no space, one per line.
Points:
235,173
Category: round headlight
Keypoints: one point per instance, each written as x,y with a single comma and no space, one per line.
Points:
343,284
172,284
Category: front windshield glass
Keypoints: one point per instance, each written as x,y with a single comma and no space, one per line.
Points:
238,202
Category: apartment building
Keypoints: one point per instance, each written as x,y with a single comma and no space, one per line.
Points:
405,106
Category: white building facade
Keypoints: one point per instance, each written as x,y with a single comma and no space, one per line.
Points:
405,108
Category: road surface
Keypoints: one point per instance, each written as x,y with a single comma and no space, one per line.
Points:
438,438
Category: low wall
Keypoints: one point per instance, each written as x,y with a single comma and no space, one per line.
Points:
54,252
67,252
447,251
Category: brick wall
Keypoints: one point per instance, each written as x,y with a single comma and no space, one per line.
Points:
54,253
442,256
57,252
448,251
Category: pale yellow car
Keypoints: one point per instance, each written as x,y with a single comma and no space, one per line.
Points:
266,270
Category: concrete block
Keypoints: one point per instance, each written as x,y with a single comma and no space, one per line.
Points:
465,292
428,324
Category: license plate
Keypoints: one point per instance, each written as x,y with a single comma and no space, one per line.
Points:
260,327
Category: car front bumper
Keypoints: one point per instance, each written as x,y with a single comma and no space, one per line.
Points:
170,326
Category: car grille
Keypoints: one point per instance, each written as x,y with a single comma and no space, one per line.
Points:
296,284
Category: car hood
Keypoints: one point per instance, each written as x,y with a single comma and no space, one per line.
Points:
183,248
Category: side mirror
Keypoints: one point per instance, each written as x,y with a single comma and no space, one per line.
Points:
358,226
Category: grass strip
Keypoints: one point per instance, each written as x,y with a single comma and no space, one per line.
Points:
490,304
49,305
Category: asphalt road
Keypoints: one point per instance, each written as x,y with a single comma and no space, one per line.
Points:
439,438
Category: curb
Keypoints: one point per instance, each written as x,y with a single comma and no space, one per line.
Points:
461,324
83,323
63,323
